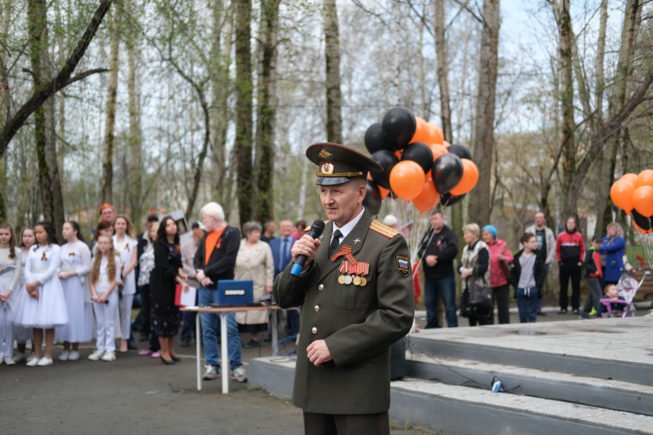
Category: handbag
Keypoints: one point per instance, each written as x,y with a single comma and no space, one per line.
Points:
480,296
465,306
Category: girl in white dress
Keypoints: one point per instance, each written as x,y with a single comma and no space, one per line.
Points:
45,307
9,272
126,248
22,333
75,266
104,280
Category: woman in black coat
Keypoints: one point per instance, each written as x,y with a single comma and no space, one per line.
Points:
163,281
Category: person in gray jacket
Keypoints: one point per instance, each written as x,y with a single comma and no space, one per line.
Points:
546,244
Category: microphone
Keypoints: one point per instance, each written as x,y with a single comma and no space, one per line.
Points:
315,232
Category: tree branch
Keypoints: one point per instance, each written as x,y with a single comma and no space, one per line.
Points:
60,81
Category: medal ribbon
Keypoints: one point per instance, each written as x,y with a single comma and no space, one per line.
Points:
342,252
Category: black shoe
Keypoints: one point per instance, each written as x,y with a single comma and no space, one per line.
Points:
562,311
541,313
175,358
167,362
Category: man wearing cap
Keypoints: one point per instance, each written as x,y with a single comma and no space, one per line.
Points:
357,299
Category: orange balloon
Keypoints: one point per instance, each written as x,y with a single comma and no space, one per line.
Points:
645,178
438,150
469,180
621,194
435,135
407,179
384,192
643,200
428,197
422,132
629,177
640,229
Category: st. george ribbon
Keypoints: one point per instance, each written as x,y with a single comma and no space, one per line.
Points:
315,232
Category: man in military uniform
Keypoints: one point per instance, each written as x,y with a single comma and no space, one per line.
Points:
356,296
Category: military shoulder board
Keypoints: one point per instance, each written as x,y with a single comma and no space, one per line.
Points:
384,230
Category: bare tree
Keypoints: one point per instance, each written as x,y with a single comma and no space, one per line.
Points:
5,14
134,186
479,206
44,123
332,60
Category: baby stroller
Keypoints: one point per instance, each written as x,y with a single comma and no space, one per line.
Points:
624,306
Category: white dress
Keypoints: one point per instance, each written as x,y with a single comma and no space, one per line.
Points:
49,309
76,257
21,333
9,273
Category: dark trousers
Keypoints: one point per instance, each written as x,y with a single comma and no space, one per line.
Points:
569,272
445,289
343,424
145,313
480,316
501,299
594,296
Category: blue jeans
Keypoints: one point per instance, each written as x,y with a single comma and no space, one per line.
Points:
211,330
527,303
445,289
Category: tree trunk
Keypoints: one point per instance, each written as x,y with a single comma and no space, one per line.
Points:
110,121
332,58
608,160
5,13
567,139
479,206
266,110
44,124
135,173
220,86
244,95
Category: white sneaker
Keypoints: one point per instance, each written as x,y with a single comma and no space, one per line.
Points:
239,374
73,355
210,373
10,361
32,362
31,358
44,362
64,356
19,357
109,356
96,355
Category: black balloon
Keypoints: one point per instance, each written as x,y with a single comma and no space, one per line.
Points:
448,199
420,153
387,160
645,223
372,201
447,172
374,138
399,127
461,151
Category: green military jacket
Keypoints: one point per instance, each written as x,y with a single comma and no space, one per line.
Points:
358,322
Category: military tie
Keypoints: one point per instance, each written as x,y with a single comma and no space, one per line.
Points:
335,242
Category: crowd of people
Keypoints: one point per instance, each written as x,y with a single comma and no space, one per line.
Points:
76,292
488,268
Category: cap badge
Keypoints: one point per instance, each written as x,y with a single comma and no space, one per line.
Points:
325,154
326,168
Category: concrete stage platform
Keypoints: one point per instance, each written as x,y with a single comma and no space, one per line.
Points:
584,376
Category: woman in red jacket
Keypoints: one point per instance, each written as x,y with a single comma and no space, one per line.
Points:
570,252
500,260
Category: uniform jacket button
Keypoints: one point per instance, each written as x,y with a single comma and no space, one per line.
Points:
320,287
314,330
316,308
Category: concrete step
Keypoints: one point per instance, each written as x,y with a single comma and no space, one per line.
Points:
454,409
608,394
616,349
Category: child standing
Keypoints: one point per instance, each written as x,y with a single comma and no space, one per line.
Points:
21,333
528,277
10,271
126,248
45,307
593,277
104,280
75,265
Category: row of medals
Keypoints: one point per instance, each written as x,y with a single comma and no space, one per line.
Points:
352,279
